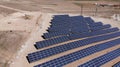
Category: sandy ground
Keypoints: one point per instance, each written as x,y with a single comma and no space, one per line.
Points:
35,36
61,6
114,23
10,42
17,21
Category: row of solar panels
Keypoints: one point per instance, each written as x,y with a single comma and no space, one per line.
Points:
100,27
97,62
76,30
65,47
67,18
88,20
79,28
67,27
76,26
54,34
65,22
95,33
74,22
66,59
61,39
50,42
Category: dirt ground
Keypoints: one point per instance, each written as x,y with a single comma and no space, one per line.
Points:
63,6
10,42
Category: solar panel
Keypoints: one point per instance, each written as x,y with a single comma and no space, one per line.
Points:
50,42
99,32
100,27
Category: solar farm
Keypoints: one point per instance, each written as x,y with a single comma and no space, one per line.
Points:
77,31
59,33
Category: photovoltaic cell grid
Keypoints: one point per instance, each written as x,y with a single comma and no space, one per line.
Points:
73,25
64,28
63,32
61,61
50,42
71,36
62,48
100,27
50,35
100,32
57,40
54,34
97,62
117,64
96,24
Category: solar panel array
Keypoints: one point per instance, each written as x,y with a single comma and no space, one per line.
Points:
62,48
66,28
117,65
97,62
